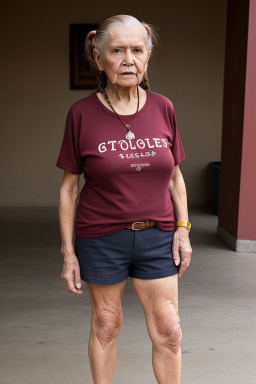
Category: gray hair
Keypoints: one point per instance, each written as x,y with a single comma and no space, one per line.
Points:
99,40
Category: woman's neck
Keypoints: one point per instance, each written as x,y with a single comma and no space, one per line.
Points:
124,105
121,94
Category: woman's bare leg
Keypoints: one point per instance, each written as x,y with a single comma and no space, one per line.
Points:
159,299
106,323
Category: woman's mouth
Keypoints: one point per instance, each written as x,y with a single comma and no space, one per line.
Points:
128,74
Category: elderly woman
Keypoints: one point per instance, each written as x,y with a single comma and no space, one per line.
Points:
131,218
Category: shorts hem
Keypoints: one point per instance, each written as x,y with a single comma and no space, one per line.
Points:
109,281
154,275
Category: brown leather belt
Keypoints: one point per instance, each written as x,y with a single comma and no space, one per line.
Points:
141,224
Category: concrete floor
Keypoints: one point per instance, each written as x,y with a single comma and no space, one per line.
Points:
45,329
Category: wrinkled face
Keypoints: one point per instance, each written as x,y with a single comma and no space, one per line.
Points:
125,58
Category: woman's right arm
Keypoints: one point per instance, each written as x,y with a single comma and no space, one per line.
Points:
69,193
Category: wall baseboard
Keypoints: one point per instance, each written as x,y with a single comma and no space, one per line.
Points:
236,244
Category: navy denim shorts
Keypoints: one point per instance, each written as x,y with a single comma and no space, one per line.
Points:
110,259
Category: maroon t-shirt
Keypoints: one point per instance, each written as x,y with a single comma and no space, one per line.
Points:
125,180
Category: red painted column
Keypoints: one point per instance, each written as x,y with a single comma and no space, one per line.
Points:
247,201
237,206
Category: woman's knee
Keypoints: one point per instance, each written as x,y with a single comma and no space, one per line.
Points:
167,330
107,323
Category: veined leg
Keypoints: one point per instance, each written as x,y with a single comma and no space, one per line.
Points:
105,326
159,299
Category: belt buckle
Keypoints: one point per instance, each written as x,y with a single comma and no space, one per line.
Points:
137,229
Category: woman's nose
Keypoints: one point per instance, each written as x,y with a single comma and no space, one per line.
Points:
128,58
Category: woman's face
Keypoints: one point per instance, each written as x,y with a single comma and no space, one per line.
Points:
125,58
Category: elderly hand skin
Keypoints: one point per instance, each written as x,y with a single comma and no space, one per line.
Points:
71,273
181,249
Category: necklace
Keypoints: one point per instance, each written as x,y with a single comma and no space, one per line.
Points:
129,135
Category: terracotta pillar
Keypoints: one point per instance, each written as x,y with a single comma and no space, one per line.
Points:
237,206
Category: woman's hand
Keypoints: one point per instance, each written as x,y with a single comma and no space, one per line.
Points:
71,274
181,249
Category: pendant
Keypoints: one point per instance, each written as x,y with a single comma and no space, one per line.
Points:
129,135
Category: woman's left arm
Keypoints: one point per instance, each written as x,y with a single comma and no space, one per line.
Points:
181,244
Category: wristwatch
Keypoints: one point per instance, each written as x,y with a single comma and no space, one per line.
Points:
184,224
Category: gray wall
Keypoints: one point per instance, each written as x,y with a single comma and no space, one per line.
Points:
35,97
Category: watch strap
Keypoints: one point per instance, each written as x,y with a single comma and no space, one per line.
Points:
184,223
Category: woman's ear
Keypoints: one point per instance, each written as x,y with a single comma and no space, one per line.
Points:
98,60
146,66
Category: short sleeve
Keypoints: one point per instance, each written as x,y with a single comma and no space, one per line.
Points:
176,144
69,156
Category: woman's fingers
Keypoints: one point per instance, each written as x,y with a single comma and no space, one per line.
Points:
175,249
185,259
77,279
181,244
71,275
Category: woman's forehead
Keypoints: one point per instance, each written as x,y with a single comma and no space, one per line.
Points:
126,35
